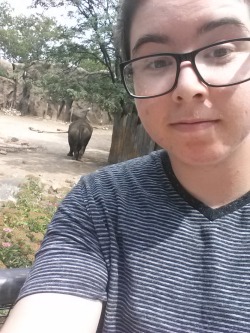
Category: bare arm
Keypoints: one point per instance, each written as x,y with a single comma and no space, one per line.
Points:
52,313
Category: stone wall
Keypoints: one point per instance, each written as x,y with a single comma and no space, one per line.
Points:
16,93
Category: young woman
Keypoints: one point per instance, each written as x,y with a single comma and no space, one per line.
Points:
161,243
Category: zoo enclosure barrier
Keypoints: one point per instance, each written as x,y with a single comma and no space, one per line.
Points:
11,281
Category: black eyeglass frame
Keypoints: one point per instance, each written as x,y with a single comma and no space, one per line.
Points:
180,57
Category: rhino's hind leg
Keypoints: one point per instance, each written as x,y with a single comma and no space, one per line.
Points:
71,149
76,155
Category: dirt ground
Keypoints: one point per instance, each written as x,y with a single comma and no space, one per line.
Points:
45,154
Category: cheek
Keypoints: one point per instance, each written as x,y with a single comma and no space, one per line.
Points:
236,96
154,119
152,109
143,107
148,114
236,105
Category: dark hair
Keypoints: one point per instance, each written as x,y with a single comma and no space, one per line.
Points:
127,9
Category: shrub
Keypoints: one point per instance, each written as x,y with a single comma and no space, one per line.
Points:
23,224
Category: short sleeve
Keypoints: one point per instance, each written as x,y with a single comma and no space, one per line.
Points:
70,259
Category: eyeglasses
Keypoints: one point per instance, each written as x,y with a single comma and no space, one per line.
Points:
221,64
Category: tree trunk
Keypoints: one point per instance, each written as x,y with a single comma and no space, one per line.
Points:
129,139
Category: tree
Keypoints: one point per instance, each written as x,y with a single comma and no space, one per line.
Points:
25,39
92,42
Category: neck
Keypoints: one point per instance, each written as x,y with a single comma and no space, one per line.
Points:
218,184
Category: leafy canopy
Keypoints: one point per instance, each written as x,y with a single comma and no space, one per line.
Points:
89,43
25,39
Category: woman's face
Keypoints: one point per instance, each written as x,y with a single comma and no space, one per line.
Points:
196,124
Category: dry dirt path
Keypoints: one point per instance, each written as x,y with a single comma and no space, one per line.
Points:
47,157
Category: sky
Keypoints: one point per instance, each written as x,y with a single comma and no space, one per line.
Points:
21,7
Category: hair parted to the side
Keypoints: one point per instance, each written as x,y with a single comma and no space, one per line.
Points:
127,9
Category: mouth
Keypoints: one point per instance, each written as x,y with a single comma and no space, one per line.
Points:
194,124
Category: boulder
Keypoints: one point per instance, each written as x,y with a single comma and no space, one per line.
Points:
17,92
6,68
7,92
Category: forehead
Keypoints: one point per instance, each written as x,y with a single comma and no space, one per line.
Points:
182,21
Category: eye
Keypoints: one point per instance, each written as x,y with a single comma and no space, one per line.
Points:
159,63
155,63
221,52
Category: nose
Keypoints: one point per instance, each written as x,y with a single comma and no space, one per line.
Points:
189,88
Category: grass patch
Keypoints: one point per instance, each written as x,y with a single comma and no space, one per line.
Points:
24,223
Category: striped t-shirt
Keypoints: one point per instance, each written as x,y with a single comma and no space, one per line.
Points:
162,261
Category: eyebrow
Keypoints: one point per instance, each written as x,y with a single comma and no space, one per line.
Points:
222,22
150,38
210,26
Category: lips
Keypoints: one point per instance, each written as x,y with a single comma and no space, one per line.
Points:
192,121
189,125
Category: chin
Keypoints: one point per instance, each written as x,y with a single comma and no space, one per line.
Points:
200,158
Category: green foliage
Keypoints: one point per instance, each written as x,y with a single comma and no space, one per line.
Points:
60,83
25,39
14,256
105,93
83,58
24,223
89,44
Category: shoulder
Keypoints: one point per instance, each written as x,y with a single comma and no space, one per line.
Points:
133,178
134,170
138,179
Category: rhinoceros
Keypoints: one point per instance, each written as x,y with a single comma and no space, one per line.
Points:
79,134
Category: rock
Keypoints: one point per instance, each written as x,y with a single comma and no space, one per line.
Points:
7,67
3,152
53,189
14,139
11,111
6,92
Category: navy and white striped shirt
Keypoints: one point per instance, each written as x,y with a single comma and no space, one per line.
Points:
131,236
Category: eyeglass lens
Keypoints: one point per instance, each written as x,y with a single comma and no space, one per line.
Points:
220,65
